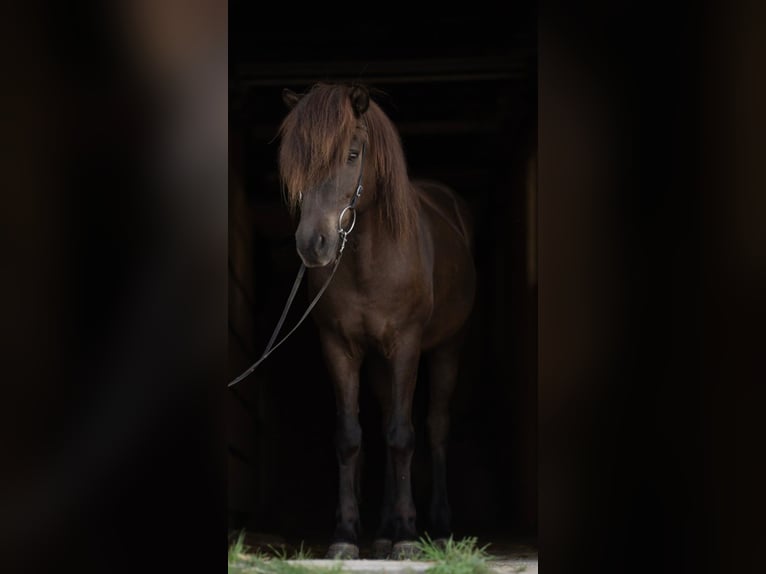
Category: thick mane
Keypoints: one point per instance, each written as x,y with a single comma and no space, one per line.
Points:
315,137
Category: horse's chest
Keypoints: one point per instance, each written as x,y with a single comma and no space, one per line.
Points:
377,313
384,311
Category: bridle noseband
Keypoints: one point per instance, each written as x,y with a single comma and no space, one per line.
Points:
344,233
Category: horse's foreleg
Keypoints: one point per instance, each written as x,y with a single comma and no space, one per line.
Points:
443,367
344,371
381,385
400,438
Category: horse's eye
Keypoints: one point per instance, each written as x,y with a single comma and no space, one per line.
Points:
352,155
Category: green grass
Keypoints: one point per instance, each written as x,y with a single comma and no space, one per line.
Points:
455,556
243,560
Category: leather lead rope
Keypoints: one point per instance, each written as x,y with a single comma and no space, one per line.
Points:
270,348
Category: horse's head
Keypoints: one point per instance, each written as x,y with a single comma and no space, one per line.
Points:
321,163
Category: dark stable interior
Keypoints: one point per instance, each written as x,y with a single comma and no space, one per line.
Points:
462,89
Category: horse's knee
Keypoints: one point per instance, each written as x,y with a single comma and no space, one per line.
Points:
401,437
348,439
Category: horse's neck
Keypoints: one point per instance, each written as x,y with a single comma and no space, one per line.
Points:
373,242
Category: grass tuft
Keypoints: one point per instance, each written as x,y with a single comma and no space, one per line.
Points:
299,554
455,556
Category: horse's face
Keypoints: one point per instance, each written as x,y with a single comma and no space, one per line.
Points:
318,235
327,128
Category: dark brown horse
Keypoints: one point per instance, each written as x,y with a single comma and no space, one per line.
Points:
404,286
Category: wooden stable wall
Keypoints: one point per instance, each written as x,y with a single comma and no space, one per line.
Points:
467,116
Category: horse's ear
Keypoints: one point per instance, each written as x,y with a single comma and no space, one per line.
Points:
290,98
360,99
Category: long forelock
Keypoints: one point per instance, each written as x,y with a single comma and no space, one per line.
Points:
315,136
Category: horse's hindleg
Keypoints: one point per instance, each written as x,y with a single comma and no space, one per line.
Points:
443,367
344,371
400,438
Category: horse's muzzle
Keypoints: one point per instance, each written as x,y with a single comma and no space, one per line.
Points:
315,249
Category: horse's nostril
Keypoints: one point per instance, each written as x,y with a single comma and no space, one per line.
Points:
320,241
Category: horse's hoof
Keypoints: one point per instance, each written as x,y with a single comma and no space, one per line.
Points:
441,543
381,548
342,551
405,550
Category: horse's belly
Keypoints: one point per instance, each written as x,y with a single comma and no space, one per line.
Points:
444,325
454,290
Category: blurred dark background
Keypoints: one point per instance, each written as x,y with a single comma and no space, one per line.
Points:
652,254
462,91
